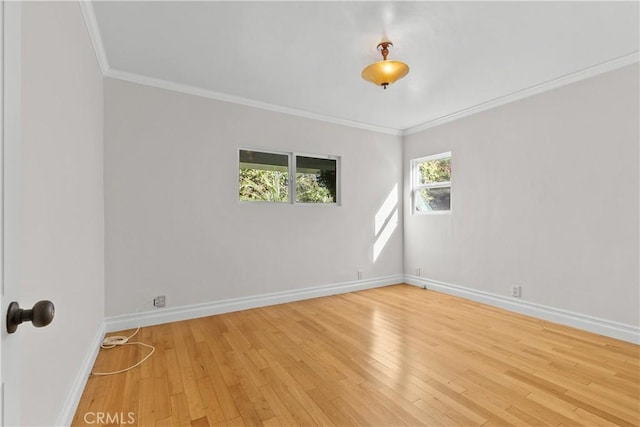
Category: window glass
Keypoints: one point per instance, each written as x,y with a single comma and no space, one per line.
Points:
433,199
316,180
434,171
263,176
431,183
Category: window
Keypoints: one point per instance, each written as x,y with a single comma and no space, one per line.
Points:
431,183
287,177
264,176
316,180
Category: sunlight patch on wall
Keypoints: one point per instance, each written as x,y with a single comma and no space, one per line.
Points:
385,210
385,222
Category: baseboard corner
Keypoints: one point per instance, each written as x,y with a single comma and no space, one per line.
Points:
608,328
77,388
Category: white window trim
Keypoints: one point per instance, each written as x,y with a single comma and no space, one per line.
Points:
416,186
292,176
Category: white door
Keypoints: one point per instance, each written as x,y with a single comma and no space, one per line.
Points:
10,212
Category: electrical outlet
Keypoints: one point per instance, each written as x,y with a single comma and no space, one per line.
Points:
160,301
418,271
360,275
516,291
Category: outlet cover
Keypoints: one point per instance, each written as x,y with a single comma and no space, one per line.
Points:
516,291
160,301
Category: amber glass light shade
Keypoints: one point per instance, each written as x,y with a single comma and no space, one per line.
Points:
384,73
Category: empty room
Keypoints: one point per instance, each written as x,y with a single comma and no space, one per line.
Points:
237,213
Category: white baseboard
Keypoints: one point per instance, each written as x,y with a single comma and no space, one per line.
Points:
174,314
596,325
77,388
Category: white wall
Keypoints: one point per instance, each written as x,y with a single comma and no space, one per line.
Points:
63,209
174,225
545,195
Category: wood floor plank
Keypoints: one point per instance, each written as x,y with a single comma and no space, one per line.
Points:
248,379
397,355
212,405
279,409
527,419
370,408
395,405
338,417
247,411
442,415
172,374
225,399
194,399
294,407
179,410
316,413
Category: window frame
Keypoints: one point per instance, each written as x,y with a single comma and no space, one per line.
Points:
294,171
291,176
280,153
416,186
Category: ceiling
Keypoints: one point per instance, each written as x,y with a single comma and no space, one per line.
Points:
306,57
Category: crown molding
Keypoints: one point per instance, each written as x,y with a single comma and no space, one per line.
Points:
219,96
90,21
86,6
604,67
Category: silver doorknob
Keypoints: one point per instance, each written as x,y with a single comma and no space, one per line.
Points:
40,315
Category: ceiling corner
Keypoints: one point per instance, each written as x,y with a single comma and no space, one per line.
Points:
90,21
577,76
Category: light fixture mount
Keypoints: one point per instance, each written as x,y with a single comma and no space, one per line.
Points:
385,72
383,48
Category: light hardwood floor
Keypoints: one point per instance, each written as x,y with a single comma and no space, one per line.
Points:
398,355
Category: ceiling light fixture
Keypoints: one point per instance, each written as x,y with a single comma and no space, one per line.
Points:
383,73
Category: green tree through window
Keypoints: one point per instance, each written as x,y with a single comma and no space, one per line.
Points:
264,177
432,183
264,185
